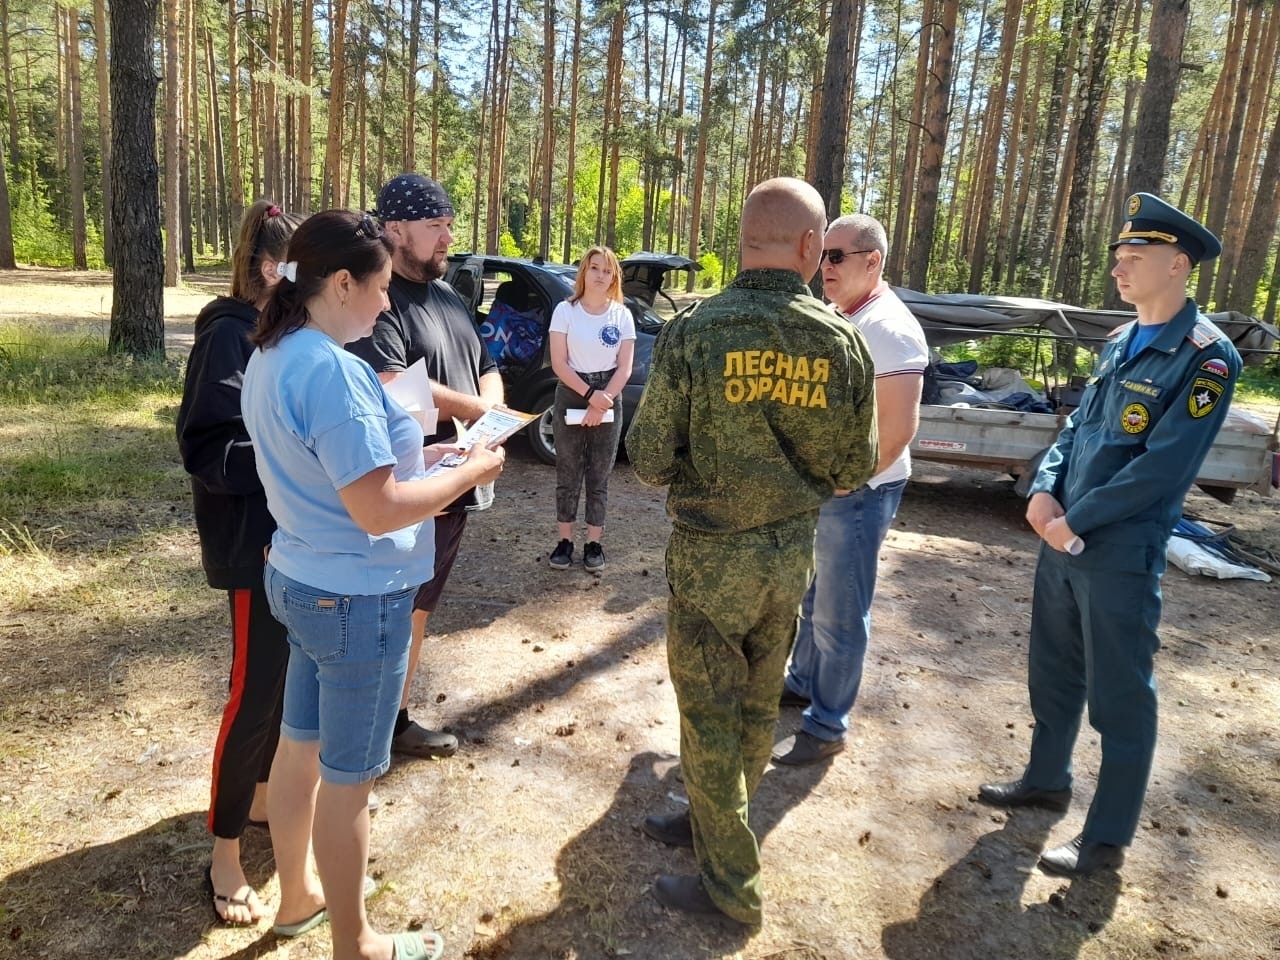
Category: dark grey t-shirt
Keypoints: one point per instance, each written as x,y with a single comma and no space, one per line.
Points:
430,321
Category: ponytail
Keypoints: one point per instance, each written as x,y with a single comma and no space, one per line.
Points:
264,235
324,244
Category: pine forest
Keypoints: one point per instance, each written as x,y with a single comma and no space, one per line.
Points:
996,139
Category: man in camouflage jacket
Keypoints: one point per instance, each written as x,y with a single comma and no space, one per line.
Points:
760,404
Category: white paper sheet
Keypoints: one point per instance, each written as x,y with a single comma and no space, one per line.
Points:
412,390
574,417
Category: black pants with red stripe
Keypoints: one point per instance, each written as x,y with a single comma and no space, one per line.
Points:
251,719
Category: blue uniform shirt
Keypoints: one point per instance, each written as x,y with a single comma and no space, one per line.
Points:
1131,451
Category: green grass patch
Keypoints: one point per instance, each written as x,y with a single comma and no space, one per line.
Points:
87,449
1259,385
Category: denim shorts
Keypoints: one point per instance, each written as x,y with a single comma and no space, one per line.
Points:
348,656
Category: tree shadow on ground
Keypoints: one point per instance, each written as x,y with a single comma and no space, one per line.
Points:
140,896
974,908
605,873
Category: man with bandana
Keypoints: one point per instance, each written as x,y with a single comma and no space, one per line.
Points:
428,320
1104,502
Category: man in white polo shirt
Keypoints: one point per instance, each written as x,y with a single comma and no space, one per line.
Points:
835,618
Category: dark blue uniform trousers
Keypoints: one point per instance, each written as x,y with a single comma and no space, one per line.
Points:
1093,639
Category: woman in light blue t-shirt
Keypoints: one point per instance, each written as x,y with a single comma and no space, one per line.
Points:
343,469
593,339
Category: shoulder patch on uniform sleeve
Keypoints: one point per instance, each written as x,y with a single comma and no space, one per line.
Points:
1217,367
1205,394
1203,334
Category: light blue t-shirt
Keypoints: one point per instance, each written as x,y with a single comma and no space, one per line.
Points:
320,420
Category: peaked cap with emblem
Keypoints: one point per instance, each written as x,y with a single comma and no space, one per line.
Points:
1151,220
411,196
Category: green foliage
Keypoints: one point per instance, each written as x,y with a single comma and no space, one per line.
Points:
1260,384
1041,359
708,278
507,245
37,237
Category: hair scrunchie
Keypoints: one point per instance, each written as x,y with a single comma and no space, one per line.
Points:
287,271
273,211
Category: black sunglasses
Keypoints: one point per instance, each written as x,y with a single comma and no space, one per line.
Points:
837,257
368,227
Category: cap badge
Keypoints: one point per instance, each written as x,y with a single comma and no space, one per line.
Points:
1135,204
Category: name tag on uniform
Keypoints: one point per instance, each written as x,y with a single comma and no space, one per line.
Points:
1146,389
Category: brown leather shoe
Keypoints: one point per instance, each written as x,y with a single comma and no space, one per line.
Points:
1081,857
674,829
1015,793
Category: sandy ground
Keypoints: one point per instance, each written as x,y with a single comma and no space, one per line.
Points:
526,845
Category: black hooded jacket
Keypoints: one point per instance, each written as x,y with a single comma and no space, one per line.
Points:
230,505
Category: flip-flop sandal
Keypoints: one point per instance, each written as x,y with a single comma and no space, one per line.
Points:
223,899
427,945
288,931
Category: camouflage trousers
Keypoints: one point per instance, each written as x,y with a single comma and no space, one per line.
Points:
731,620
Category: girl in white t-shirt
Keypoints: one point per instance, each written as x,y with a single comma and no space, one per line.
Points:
593,338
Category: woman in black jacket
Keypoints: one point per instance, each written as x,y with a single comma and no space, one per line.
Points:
234,526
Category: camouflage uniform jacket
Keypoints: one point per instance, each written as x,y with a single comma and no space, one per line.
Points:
759,404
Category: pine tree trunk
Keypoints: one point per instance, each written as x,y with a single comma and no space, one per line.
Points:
337,107
615,146
172,220
833,125
104,117
1082,187
1260,110
570,184
75,140
7,259
548,125
1226,156
933,143
1018,162
989,152
411,91
704,134
1164,66
235,173
306,76
902,220
11,100
218,166
1047,172
137,304
1261,232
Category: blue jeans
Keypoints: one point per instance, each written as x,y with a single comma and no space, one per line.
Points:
348,656
835,617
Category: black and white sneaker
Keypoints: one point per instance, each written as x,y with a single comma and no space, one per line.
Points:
593,555
562,555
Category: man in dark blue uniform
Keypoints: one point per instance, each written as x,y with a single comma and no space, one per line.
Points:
1104,502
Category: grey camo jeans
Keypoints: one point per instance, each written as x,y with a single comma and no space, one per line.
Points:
584,455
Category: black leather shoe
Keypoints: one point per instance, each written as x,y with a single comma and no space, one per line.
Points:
1081,857
805,748
1018,794
790,698
686,894
674,829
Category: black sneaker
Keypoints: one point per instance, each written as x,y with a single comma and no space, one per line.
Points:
593,555
562,555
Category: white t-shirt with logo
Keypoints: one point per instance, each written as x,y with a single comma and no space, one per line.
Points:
593,338
898,347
